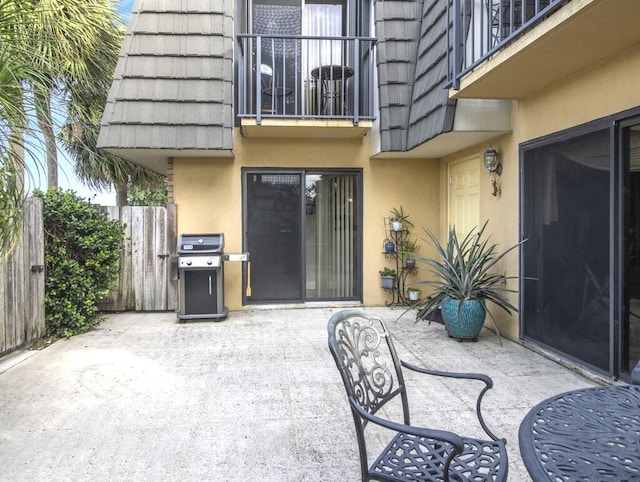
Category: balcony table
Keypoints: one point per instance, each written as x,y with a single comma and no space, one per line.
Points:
332,78
589,434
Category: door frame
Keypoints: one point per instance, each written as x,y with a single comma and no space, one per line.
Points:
303,172
622,183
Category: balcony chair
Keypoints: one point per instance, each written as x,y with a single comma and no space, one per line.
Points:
372,376
272,92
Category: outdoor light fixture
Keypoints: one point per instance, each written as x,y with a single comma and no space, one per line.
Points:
491,161
494,168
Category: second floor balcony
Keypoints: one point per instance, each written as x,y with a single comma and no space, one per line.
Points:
308,81
507,49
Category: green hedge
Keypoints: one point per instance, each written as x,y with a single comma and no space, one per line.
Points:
82,259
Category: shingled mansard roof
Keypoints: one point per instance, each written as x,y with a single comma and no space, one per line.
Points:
173,84
412,68
172,92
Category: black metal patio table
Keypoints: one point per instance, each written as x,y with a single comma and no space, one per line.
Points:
589,434
333,91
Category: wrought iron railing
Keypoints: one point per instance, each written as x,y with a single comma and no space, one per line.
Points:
309,77
480,28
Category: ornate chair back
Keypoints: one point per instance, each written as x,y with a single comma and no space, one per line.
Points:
372,375
366,358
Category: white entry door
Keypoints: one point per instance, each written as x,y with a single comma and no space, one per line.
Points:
464,195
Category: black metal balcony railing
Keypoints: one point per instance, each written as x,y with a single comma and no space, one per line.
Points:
306,77
480,28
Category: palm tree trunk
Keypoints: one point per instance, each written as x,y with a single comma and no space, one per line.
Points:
121,194
45,123
16,147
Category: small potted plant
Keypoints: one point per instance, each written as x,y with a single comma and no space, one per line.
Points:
414,294
409,249
399,220
389,246
464,281
388,278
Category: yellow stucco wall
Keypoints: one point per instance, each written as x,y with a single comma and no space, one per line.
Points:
208,193
500,211
604,89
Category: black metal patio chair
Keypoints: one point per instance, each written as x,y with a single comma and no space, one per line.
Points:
372,375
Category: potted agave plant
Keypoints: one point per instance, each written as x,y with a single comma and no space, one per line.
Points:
464,280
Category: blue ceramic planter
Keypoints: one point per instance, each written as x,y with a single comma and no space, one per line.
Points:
465,324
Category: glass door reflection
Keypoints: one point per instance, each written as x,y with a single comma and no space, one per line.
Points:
331,236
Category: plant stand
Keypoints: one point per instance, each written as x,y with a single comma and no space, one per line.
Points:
399,296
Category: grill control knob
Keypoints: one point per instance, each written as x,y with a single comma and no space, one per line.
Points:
188,262
210,261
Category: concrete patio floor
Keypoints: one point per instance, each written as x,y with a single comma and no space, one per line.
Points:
254,397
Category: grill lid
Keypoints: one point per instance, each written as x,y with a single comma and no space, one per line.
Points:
201,243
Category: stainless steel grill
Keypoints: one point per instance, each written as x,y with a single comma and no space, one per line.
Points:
201,272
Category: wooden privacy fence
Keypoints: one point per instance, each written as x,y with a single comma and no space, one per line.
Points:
22,283
148,275
147,281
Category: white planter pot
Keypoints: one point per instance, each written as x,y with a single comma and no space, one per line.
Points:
396,225
414,296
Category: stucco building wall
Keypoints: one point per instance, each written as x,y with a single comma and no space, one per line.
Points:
212,190
602,90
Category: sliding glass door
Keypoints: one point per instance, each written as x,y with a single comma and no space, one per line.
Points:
286,62
331,236
273,234
566,220
581,218
303,233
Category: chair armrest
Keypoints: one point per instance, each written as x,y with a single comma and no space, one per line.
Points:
443,435
635,375
488,383
470,376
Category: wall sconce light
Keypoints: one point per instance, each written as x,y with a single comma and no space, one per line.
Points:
494,168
